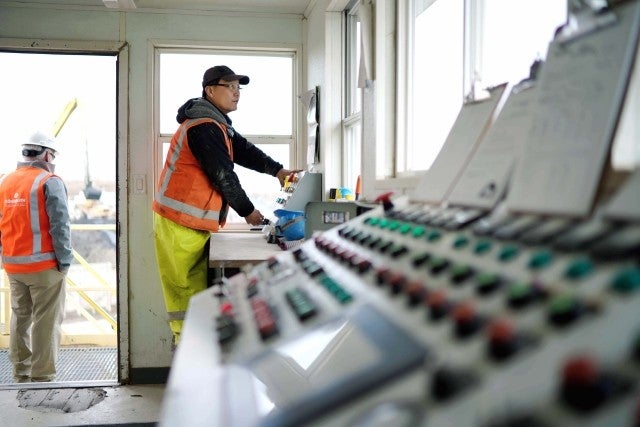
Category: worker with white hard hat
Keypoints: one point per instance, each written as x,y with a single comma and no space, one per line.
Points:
35,240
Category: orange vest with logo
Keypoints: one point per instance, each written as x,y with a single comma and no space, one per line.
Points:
184,194
27,246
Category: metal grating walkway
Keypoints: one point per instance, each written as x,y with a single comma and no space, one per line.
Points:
74,364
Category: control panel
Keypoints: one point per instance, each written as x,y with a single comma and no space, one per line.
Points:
517,320
299,189
504,292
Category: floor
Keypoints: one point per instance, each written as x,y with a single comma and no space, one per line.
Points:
85,393
121,405
74,364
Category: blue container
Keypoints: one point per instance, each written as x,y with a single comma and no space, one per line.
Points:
290,224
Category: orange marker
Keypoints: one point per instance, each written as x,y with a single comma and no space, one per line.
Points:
358,187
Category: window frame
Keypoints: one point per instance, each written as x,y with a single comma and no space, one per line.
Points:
406,30
352,116
393,145
159,47
119,49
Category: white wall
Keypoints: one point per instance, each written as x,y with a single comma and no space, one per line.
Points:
324,46
149,335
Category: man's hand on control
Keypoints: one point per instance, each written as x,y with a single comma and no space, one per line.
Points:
283,173
254,218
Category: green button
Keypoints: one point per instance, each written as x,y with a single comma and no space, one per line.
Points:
459,269
343,296
519,289
482,247
296,298
372,221
486,279
355,235
437,262
562,304
364,238
627,280
398,249
383,223
419,231
420,259
460,242
329,283
434,235
394,225
460,272
405,228
578,269
540,259
508,253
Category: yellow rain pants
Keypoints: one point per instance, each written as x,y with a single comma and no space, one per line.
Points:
183,258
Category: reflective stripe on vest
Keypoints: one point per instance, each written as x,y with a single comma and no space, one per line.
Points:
207,218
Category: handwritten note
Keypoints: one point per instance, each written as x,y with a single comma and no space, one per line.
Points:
470,125
580,92
484,180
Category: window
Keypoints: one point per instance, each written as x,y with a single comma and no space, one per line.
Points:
265,115
352,121
508,45
67,103
446,45
434,83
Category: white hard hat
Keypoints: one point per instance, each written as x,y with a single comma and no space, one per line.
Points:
43,140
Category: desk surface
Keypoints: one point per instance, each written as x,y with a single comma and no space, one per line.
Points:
236,249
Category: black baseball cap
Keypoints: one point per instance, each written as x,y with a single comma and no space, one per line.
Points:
222,72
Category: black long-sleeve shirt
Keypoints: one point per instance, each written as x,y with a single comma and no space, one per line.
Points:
207,143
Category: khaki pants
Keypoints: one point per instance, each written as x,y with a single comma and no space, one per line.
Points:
37,306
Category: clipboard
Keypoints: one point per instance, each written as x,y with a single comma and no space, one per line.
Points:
485,179
625,204
471,124
580,96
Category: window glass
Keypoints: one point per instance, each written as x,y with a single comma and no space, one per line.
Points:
501,49
511,44
437,76
262,189
351,123
352,153
354,94
265,107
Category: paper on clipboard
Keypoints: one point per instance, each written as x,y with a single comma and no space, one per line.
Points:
625,204
484,181
468,129
580,93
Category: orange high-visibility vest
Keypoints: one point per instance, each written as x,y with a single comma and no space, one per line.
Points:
27,246
184,194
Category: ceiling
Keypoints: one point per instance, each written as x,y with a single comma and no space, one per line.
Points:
297,7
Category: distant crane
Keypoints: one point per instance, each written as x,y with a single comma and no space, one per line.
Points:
90,192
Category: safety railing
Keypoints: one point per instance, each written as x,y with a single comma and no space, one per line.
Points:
91,302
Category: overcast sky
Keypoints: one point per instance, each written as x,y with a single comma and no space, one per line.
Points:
36,88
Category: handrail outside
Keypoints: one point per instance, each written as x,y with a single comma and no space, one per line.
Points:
5,303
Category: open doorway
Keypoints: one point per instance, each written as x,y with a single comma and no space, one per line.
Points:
73,96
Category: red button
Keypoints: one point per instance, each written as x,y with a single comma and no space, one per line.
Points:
464,313
500,331
226,308
580,370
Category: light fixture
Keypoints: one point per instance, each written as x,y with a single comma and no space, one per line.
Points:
119,4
